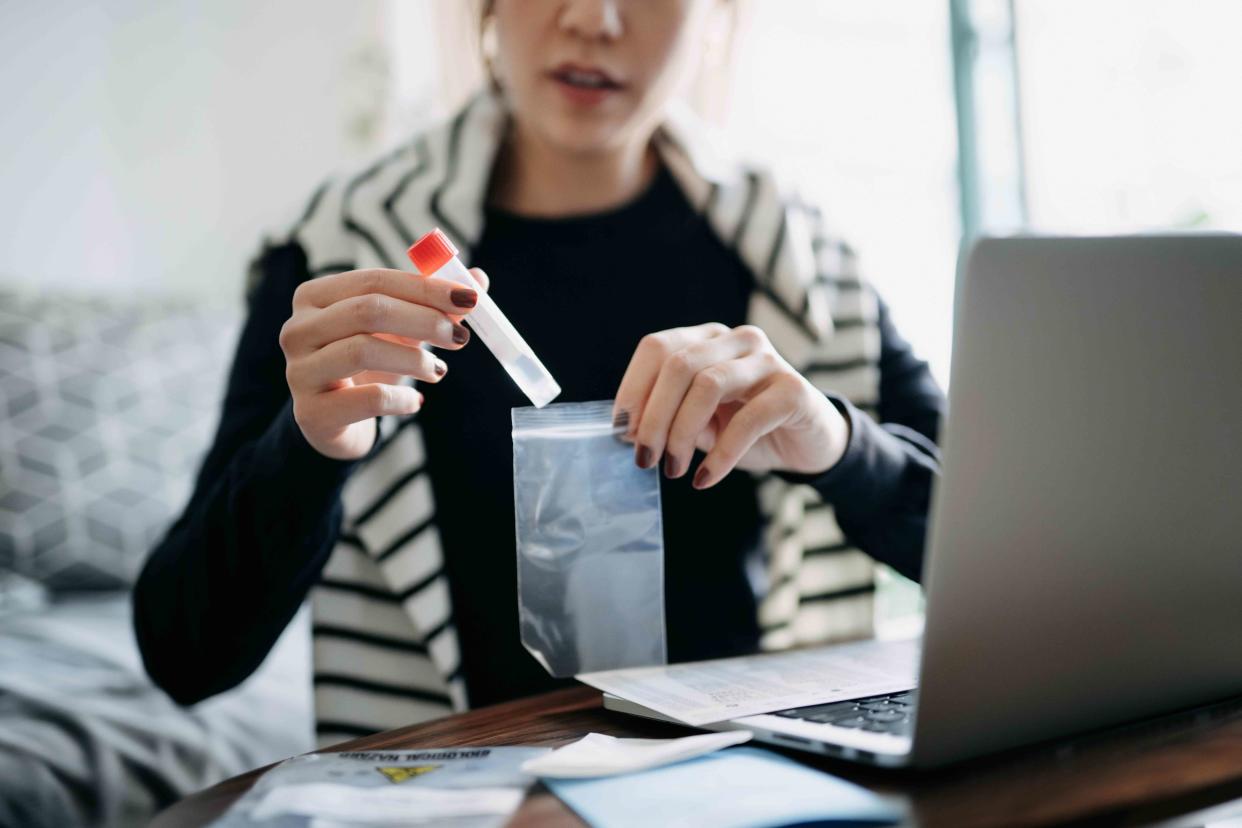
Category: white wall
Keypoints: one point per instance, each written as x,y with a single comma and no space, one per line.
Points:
150,144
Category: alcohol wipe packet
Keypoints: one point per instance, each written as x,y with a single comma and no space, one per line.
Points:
590,542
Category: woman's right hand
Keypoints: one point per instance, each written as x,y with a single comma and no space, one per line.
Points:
353,335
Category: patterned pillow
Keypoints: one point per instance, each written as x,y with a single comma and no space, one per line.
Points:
106,407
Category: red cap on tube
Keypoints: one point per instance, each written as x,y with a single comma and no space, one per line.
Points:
431,252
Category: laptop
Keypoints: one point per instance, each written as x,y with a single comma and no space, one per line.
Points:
1084,563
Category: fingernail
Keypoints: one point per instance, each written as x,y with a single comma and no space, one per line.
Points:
700,477
621,420
440,368
643,457
672,468
460,335
464,298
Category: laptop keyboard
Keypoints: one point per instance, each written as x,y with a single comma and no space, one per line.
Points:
889,713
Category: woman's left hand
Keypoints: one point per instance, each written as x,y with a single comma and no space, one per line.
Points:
726,392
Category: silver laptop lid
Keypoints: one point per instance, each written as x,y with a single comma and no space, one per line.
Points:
1085,560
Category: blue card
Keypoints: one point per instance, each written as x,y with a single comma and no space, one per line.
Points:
741,787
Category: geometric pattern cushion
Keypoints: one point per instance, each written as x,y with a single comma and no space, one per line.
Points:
106,409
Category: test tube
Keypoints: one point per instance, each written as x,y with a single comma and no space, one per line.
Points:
434,254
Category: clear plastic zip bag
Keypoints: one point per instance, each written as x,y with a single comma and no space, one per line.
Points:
590,542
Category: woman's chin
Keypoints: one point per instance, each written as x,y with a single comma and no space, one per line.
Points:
583,136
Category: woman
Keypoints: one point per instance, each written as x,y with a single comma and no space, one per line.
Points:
639,267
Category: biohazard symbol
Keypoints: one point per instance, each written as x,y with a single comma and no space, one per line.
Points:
401,774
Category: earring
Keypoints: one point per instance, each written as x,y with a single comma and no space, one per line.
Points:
489,48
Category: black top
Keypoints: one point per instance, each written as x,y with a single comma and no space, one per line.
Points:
583,293
225,581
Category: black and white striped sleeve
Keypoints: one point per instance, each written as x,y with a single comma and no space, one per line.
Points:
881,488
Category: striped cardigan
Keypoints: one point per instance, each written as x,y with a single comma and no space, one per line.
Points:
384,644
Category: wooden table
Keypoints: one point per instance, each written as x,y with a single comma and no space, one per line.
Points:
1130,777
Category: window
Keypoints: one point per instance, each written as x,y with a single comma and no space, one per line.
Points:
1131,113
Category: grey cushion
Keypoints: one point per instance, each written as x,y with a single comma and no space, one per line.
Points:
106,406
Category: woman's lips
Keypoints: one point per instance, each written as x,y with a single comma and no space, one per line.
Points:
584,86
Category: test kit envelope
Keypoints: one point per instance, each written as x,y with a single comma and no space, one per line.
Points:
461,787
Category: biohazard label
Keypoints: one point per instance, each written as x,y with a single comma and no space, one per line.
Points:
401,774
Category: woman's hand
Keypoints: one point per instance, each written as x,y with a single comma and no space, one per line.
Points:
725,391
352,336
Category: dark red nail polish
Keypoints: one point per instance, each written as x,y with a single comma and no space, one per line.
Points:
464,298
440,368
700,477
643,457
460,335
672,468
621,420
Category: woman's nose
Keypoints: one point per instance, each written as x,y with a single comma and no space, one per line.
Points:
592,19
